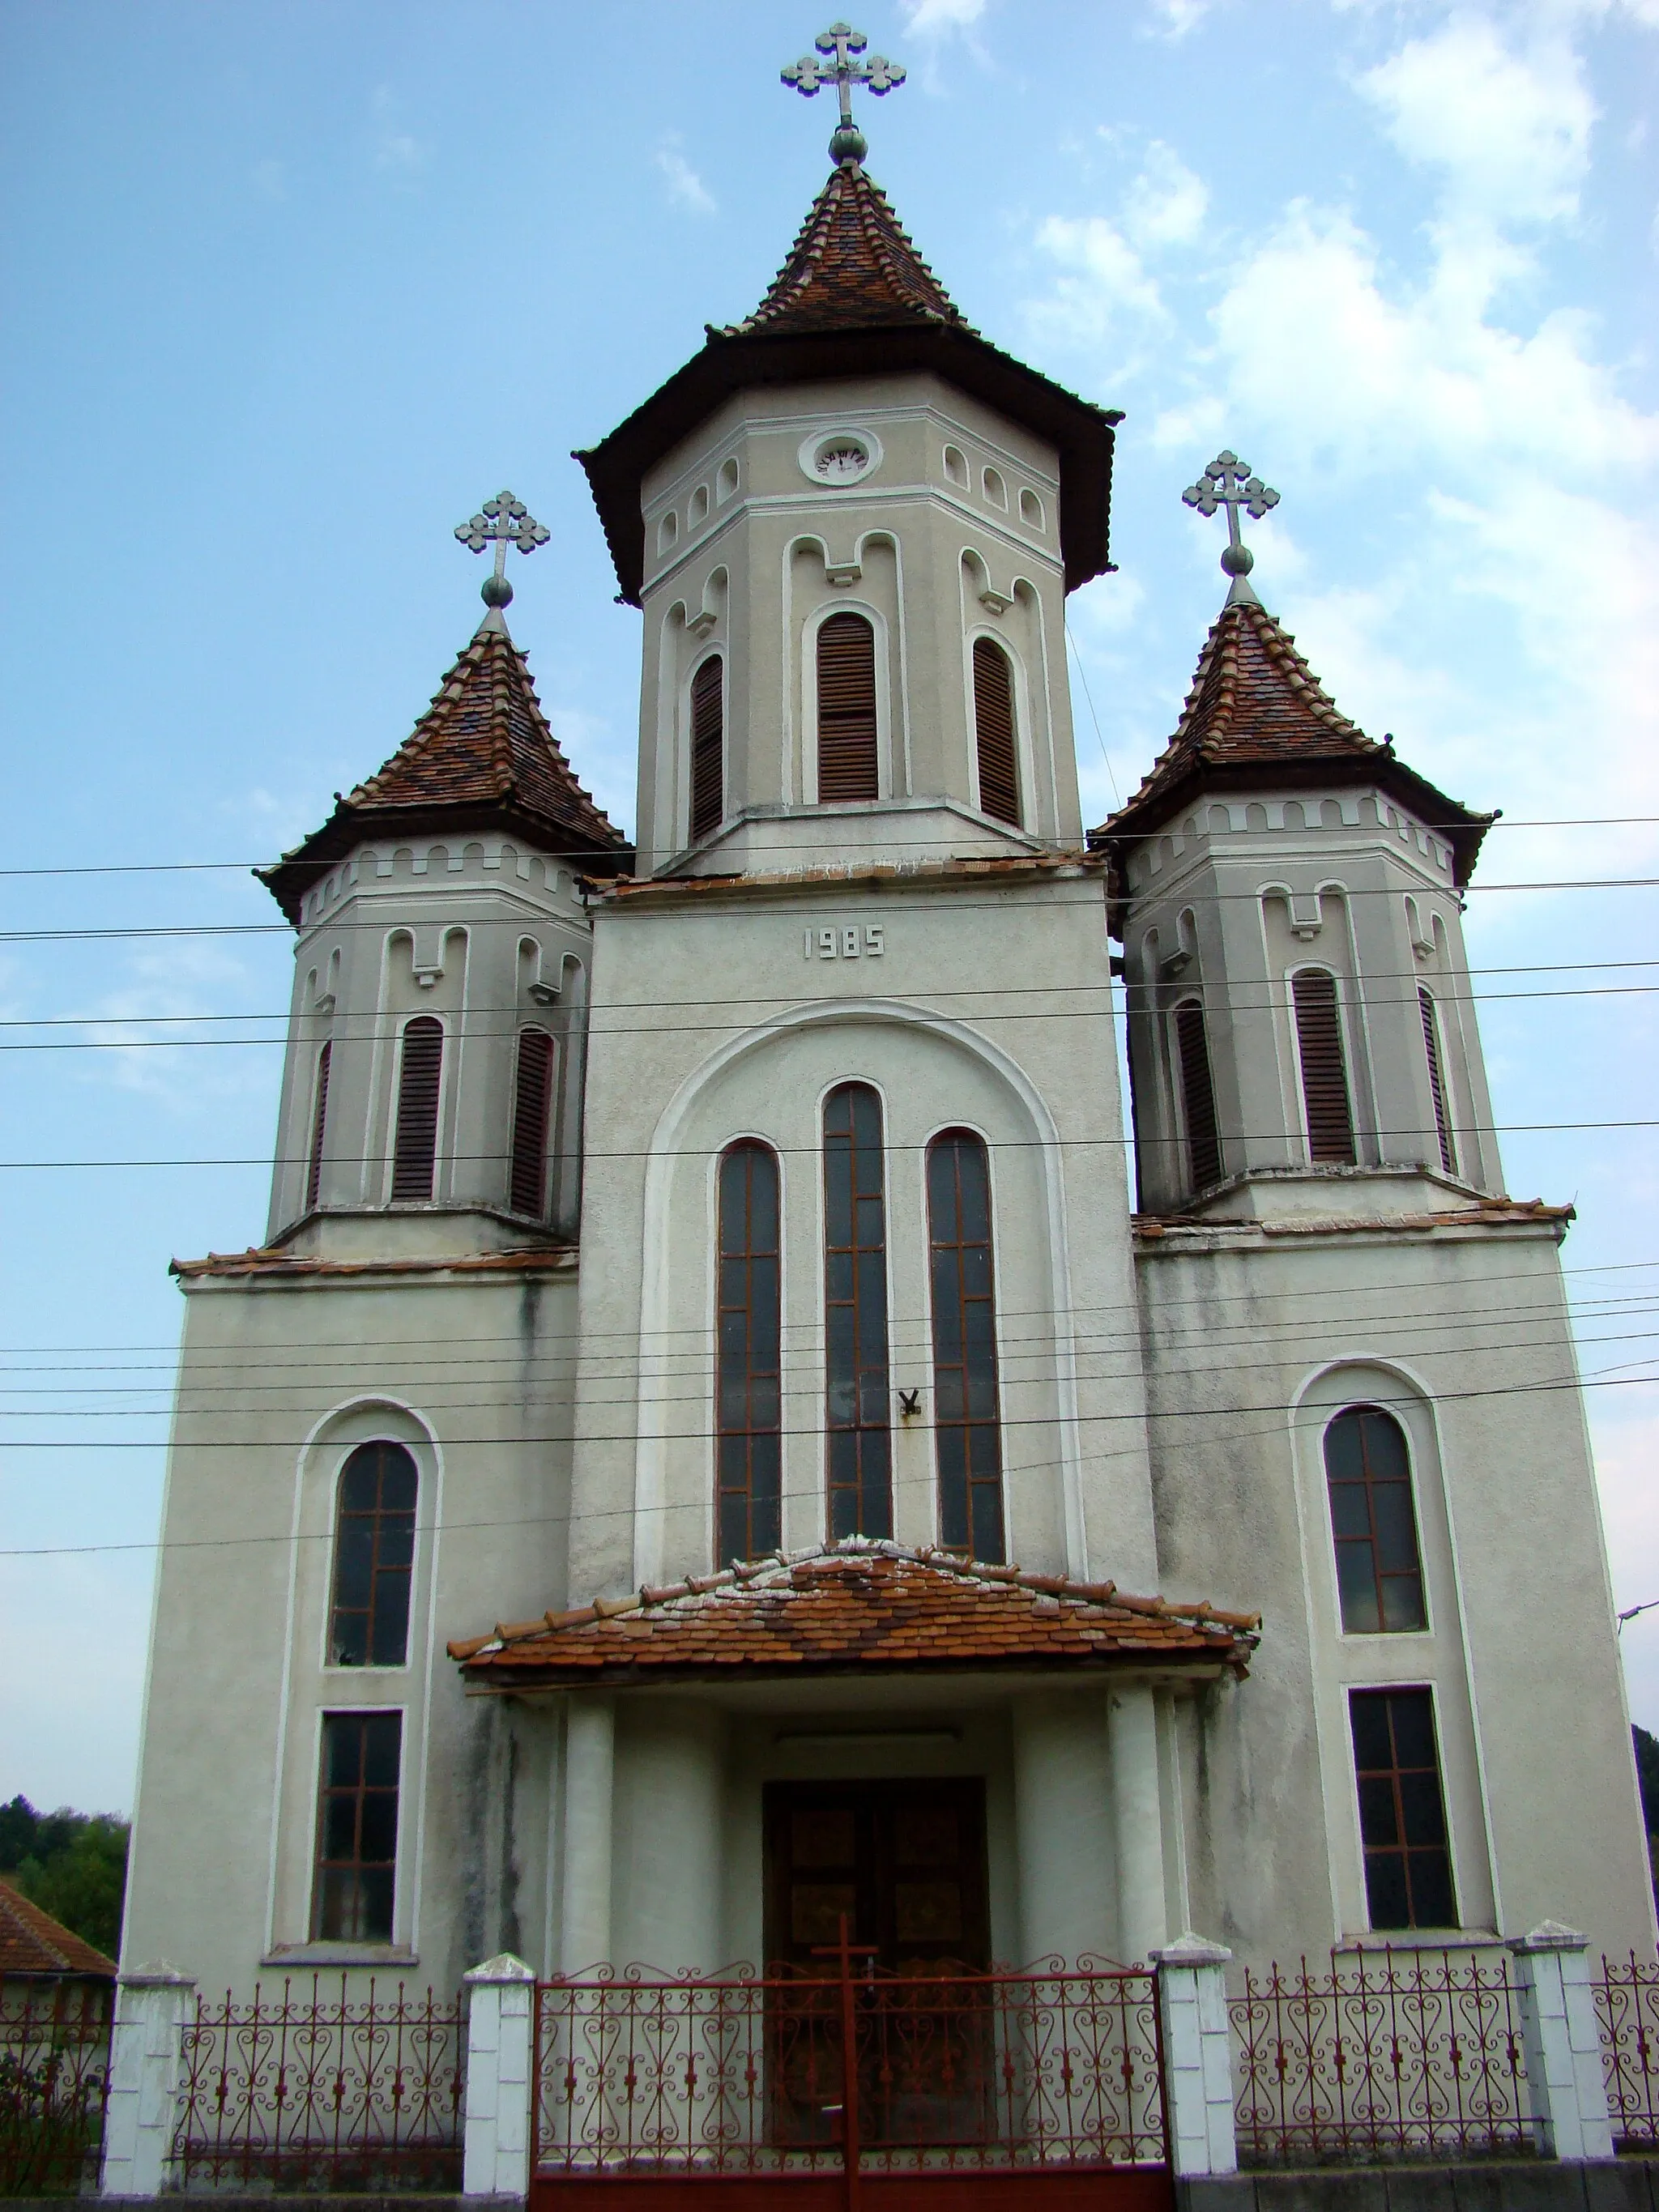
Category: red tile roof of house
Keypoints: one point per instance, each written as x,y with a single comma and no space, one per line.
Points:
852,1607
1257,715
33,1942
851,267
482,756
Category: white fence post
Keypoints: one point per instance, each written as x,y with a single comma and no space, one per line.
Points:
1564,2045
146,2055
500,2064
1198,2068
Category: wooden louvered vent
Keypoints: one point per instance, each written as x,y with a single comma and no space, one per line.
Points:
1436,1081
708,747
846,710
414,1149
1198,1096
993,728
1324,1075
319,1125
533,1096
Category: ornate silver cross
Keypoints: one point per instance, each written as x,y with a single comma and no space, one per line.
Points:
503,521
842,42
1228,483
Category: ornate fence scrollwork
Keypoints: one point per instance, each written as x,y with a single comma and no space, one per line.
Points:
54,2083
1627,2013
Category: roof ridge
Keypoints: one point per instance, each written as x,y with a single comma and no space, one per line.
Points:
876,276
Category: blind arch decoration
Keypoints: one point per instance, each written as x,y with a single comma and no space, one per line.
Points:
1368,1479
319,1125
420,1073
966,1409
708,747
848,768
993,731
748,1370
1197,1094
1324,1066
374,1557
1442,1128
857,1413
533,1102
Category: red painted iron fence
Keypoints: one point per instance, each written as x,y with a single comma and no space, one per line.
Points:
1400,2054
309,2090
54,2083
1055,2067
1627,2012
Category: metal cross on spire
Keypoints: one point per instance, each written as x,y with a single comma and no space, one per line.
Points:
503,521
1228,483
843,43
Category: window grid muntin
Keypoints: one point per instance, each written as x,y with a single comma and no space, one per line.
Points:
374,1557
749,1371
354,1887
1403,1809
1368,1488
857,1408
967,1398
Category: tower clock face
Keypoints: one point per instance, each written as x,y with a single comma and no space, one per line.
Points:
840,456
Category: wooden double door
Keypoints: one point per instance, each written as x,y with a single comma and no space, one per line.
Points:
904,1861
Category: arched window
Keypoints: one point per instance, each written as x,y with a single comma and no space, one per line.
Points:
994,730
856,1409
415,1148
1197,1095
846,710
532,1097
967,1416
1324,1072
707,747
1443,1128
319,1127
1368,1474
748,1382
374,1557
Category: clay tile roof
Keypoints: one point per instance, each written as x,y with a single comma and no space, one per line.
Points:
33,1942
851,267
1257,714
856,1604
481,754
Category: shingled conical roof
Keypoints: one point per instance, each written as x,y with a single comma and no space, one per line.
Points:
481,757
1257,715
851,267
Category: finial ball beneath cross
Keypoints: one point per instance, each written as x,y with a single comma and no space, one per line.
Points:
1227,481
839,45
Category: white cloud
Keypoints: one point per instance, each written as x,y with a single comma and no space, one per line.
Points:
397,152
176,987
931,19
1105,279
1166,204
686,189
1175,18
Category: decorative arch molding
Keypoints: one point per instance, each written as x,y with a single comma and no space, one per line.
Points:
650,1465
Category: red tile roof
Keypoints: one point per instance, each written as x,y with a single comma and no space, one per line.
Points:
482,754
1257,714
33,1942
271,1263
850,1608
851,267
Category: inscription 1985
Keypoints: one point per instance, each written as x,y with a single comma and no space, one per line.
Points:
847,940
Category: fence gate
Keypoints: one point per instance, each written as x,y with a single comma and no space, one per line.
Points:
853,2090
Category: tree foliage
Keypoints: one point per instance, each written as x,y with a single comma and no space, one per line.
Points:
72,1865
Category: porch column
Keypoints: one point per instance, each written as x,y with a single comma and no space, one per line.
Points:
1137,1821
499,2063
1567,2087
146,2052
590,1750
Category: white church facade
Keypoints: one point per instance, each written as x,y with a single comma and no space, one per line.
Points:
732,1425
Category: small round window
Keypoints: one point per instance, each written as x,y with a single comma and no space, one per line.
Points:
839,457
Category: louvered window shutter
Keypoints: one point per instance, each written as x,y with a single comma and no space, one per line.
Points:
1324,1076
318,1124
993,727
415,1150
1436,1082
1198,1096
708,747
532,1095
846,710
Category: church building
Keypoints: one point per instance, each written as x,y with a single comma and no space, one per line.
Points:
731,1423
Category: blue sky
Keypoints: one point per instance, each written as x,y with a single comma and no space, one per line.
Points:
292,286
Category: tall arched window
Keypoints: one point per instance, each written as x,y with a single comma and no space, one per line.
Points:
967,1416
374,1559
994,730
707,747
415,1148
749,1381
856,1395
532,1098
1197,1095
1368,1474
1443,1128
319,1127
1324,1070
846,710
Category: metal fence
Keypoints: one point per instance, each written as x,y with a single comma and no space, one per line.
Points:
312,2091
1400,2054
54,2083
1628,2013
1053,2066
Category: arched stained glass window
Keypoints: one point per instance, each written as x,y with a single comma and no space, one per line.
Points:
415,1147
748,1389
1368,1473
993,731
374,1559
967,1415
707,747
848,763
857,1414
